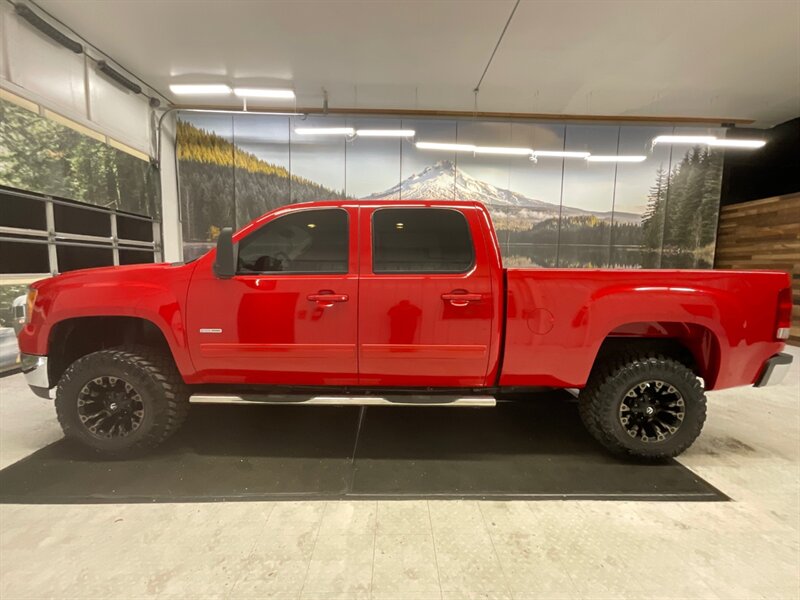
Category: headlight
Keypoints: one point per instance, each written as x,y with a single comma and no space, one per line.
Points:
29,304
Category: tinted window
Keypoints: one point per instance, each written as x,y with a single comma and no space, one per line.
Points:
420,240
83,257
75,219
309,241
22,257
19,211
129,228
129,256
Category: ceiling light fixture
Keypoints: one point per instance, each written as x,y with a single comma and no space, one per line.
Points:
560,154
386,132
735,143
502,150
445,146
264,93
215,89
622,158
474,149
324,131
683,139
708,140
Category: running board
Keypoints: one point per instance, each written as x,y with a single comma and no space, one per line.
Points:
397,400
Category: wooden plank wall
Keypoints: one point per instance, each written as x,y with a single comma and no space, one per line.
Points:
763,234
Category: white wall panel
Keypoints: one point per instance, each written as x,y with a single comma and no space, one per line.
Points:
44,67
60,80
115,109
5,10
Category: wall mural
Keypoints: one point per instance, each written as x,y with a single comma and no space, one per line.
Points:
40,155
564,212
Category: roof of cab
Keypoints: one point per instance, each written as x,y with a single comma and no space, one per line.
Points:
386,202
353,203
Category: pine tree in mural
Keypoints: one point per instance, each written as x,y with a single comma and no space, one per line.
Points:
222,184
681,217
653,219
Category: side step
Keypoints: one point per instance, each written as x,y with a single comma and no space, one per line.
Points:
396,400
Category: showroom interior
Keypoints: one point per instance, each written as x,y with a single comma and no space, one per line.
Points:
608,160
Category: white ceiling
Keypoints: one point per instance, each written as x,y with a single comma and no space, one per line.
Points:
675,58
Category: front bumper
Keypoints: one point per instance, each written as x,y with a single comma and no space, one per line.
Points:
775,370
35,370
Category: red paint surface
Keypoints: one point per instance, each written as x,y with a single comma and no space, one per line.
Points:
438,330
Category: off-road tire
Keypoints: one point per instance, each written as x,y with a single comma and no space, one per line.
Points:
164,396
599,404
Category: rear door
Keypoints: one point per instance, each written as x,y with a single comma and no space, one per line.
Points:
289,315
426,309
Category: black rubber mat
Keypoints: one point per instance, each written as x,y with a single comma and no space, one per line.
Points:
533,449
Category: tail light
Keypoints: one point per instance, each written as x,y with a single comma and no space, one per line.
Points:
783,322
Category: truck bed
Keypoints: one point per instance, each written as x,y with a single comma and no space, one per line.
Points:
557,319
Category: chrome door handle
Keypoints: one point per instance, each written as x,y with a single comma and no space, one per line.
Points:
461,299
327,299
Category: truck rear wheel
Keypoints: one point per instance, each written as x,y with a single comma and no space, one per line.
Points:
649,407
121,401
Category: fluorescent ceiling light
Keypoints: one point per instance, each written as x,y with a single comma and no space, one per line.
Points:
684,139
708,140
560,154
734,143
199,90
264,93
445,146
501,150
473,148
386,132
632,159
324,131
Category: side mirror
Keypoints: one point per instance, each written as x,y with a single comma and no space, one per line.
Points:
225,262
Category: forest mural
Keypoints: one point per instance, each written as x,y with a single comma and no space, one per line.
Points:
555,212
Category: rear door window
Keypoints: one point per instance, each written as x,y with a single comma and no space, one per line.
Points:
421,240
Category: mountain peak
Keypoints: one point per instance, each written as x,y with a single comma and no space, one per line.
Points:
441,165
442,180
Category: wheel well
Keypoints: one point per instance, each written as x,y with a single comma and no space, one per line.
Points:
73,338
693,345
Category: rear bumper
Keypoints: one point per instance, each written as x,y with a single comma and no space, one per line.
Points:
35,370
775,370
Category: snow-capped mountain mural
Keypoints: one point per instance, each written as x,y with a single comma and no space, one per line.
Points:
665,207
444,181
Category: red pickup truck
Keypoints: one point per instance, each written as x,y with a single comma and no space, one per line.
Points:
395,303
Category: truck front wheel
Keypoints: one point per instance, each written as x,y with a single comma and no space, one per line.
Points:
650,406
121,401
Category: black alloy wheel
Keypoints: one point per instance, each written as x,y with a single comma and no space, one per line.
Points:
110,407
652,411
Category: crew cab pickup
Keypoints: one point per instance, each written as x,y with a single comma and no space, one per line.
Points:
396,303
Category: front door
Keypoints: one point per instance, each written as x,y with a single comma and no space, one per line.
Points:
426,309
289,315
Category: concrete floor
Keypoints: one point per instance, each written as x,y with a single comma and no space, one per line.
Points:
747,548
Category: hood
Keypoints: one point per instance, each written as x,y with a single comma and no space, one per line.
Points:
110,275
